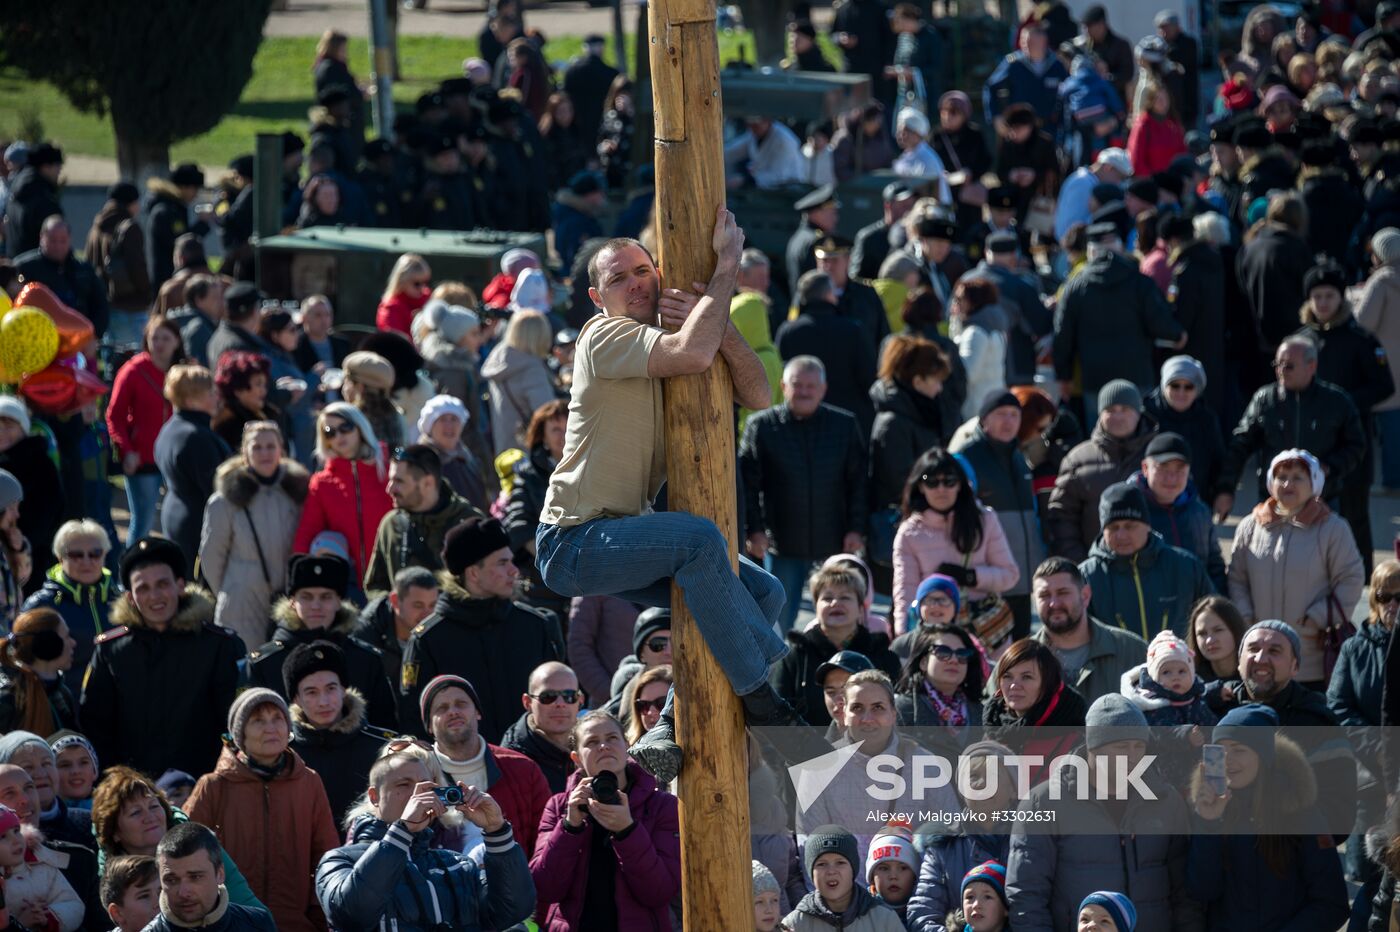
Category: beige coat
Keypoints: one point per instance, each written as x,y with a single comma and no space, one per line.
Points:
247,568
1286,568
1378,310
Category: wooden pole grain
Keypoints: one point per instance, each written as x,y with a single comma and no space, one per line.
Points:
714,811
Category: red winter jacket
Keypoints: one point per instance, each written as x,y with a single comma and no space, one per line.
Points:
1153,143
137,409
519,786
397,313
648,859
331,506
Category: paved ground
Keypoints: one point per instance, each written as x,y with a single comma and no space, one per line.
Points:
457,18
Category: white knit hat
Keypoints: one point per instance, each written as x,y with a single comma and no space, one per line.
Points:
1314,468
436,407
1386,245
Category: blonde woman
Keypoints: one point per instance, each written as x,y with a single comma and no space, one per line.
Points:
248,528
405,294
519,377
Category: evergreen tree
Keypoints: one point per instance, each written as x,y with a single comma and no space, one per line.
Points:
164,70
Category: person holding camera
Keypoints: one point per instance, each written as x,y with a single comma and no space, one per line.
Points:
268,809
608,854
391,876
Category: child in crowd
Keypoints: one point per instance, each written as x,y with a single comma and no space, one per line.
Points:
830,857
1106,911
767,900
984,904
1166,688
76,759
892,866
177,787
131,892
936,602
36,894
947,856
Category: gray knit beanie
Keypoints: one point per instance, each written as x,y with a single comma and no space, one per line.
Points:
1113,717
244,706
1282,627
1184,367
1120,392
12,742
10,489
763,880
831,839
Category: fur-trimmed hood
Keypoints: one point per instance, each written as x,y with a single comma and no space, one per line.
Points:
1292,783
352,716
286,617
236,482
196,610
164,188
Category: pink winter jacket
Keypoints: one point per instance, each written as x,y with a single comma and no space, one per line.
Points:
922,543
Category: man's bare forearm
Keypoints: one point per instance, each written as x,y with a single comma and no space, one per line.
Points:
751,388
704,329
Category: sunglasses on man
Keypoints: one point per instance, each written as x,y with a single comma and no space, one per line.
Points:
550,696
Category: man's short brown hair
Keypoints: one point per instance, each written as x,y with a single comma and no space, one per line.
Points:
185,383
611,246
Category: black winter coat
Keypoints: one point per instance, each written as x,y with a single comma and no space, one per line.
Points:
1335,206
803,480
1108,317
167,218
364,664
1320,419
1197,297
33,199
586,81
41,511
376,628
841,345
795,676
1271,269
1351,358
493,643
188,453
157,700
1199,427
523,516
342,753
907,424
73,281
860,303
554,763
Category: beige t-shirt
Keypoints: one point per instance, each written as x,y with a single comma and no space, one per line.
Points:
615,447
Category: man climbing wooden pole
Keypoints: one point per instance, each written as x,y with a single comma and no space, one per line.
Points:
684,58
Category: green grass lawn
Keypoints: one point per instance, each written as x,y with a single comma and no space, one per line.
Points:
276,98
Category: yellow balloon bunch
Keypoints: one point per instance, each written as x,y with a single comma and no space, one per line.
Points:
28,343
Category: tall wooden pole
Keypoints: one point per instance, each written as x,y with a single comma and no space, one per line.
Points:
684,57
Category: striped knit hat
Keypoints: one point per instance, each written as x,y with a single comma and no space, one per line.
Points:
1119,908
991,873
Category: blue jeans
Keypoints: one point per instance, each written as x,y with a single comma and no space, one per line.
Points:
1388,426
127,328
636,559
142,494
792,573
